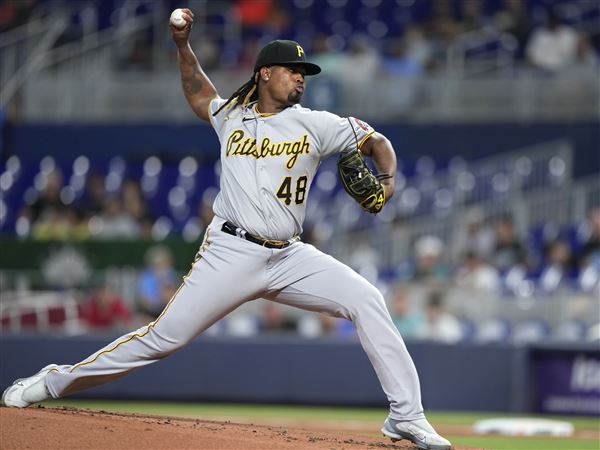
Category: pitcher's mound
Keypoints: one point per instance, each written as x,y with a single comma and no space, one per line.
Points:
62,428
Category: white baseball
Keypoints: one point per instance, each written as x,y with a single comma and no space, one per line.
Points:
177,18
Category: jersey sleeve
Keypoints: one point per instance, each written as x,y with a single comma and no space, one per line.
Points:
218,120
342,133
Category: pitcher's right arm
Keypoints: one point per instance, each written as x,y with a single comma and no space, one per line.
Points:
198,89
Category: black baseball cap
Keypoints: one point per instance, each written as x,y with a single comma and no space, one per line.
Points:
281,53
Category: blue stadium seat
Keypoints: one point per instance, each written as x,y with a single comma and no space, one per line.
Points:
529,331
468,330
493,330
570,331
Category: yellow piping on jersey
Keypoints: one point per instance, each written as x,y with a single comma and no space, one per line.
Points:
205,244
360,144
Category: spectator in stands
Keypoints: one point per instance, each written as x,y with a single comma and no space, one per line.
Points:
252,14
133,201
417,47
508,250
157,283
136,55
472,235
589,259
401,64
61,227
514,18
116,222
334,327
477,275
429,265
408,323
267,18
553,47
212,56
196,225
558,267
440,325
48,202
593,333
586,53
590,252
410,56
472,16
324,55
320,325
344,328
274,319
14,13
204,211
92,200
50,216
441,29
105,309
360,54
326,91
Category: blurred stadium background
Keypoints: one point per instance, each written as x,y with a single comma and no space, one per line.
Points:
488,255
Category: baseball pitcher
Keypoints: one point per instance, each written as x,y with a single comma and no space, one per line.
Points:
271,148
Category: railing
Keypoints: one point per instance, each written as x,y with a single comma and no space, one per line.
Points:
80,81
39,308
85,69
17,46
391,243
585,14
491,182
57,96
565,314
561,306
534,203
74,74
25,49
35,61
479,52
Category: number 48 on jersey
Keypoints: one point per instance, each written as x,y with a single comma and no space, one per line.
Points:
285,191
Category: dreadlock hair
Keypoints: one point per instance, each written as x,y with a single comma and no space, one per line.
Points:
247,93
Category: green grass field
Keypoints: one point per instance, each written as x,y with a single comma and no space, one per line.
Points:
249,413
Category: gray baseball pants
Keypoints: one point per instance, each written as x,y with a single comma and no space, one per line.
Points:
229,271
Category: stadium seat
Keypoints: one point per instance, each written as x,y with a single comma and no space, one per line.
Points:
570,331
529,331
493,330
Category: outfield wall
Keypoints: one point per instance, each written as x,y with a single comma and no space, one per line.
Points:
327,372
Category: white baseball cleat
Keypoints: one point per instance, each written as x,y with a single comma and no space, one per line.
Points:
26,391
419,432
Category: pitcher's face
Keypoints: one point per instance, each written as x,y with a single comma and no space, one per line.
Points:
285,84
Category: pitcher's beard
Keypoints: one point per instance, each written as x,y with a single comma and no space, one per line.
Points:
295,97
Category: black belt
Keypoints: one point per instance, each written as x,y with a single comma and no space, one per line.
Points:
230,228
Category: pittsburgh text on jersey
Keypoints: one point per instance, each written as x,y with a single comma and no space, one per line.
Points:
237,145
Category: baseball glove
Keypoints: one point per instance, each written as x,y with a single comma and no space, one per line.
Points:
360,183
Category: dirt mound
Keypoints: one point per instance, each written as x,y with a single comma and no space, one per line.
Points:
65,428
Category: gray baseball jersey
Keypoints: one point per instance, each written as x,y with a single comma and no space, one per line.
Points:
269,162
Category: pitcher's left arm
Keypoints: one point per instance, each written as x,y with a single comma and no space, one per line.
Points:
380,149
